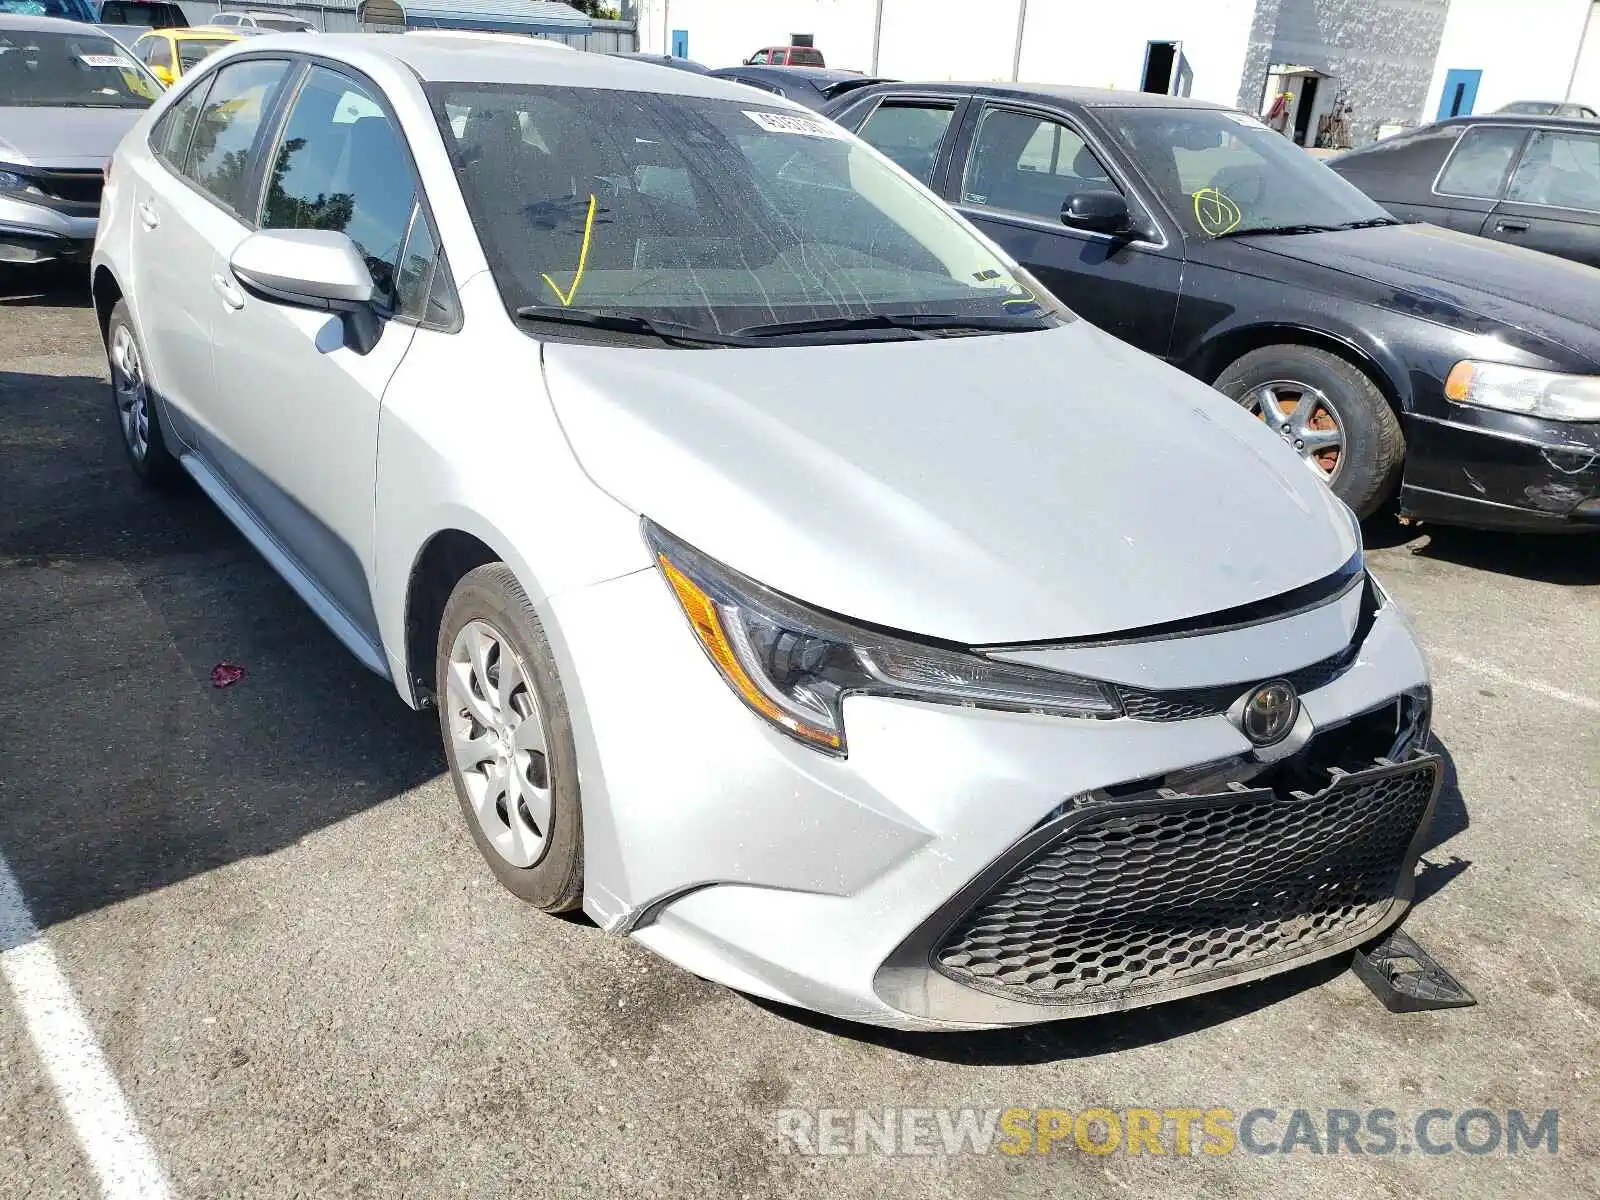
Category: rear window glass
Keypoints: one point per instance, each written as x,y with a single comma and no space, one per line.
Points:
803,56
1478,165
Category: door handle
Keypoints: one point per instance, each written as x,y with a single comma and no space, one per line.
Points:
1511,227
148,216
232,297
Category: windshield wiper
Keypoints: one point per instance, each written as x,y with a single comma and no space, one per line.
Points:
1274,230
666,331
916,324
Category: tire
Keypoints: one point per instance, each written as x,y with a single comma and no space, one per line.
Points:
1371,449
138,420
523,738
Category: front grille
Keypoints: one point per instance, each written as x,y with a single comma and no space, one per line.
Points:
1168,893
1185,704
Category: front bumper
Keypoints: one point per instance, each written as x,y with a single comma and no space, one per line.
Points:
37,233
1495,470
834,884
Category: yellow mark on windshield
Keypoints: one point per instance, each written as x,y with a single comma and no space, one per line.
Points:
566,297
1214,212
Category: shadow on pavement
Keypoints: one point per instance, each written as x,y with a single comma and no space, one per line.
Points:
124,769
1569,559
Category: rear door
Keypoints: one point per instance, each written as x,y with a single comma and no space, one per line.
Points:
1474,175
187,196
300,408
1553,200
1011,173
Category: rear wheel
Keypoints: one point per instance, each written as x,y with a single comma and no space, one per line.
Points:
508,739
1329,412
140,424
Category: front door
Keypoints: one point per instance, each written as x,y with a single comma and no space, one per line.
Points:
1553,200
1459,94
300,404
1018,169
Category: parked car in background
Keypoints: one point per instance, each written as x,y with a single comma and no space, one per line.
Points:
265,20
172,53
786,56
143,14
66,10
989,644
67,95
662,60
809,86
1466,372
1547,108
1528,181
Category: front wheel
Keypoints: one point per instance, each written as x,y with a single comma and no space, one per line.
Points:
1329,412
508,739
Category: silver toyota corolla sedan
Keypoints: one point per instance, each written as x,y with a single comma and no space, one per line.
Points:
67,95
803,591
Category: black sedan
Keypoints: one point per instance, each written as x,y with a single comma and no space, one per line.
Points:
814,87
1464,372
1530,181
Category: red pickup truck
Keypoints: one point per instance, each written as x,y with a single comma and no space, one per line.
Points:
786,56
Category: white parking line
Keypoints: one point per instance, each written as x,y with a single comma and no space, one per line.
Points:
118,1154
1504,676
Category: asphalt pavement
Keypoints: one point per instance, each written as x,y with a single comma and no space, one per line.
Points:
307,984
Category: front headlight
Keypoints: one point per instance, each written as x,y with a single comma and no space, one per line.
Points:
794,665
1548,394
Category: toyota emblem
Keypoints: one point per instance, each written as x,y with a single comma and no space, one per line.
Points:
1269,712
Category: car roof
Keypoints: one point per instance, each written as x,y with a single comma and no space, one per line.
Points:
462,56
32,24
1059,94
1586,124
822,77
204,33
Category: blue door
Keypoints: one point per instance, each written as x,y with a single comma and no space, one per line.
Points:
1460,90
680,43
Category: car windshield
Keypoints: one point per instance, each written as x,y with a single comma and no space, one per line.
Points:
1532,108
1225,174
70,70
281,24
712,215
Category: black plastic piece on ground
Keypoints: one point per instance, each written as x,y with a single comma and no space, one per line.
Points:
1406,978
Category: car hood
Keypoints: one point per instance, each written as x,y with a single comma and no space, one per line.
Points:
62,137
982,490
1440,271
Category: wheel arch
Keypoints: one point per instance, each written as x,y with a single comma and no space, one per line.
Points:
106,291
1219,353
441,563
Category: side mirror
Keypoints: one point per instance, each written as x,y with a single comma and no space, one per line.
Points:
164,75
311,268
1102,211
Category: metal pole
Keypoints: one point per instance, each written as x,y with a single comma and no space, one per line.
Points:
666,26
877,36
1016,57
1578,57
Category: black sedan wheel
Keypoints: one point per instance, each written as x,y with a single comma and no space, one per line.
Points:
1329,412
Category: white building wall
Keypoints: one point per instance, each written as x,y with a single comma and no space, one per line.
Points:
1524,48
723,33
950,39
1102,45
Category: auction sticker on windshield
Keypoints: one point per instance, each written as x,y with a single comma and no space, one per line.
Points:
787,123
103,60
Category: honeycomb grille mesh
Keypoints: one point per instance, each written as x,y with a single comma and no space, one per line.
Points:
1157,894
1185,704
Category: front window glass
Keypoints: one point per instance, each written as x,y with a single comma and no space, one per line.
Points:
70,70
341,166
1559,169
1478,165
219,157
910,134
1223,173
714,214
1027,164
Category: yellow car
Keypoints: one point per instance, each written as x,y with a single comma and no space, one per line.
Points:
171,53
